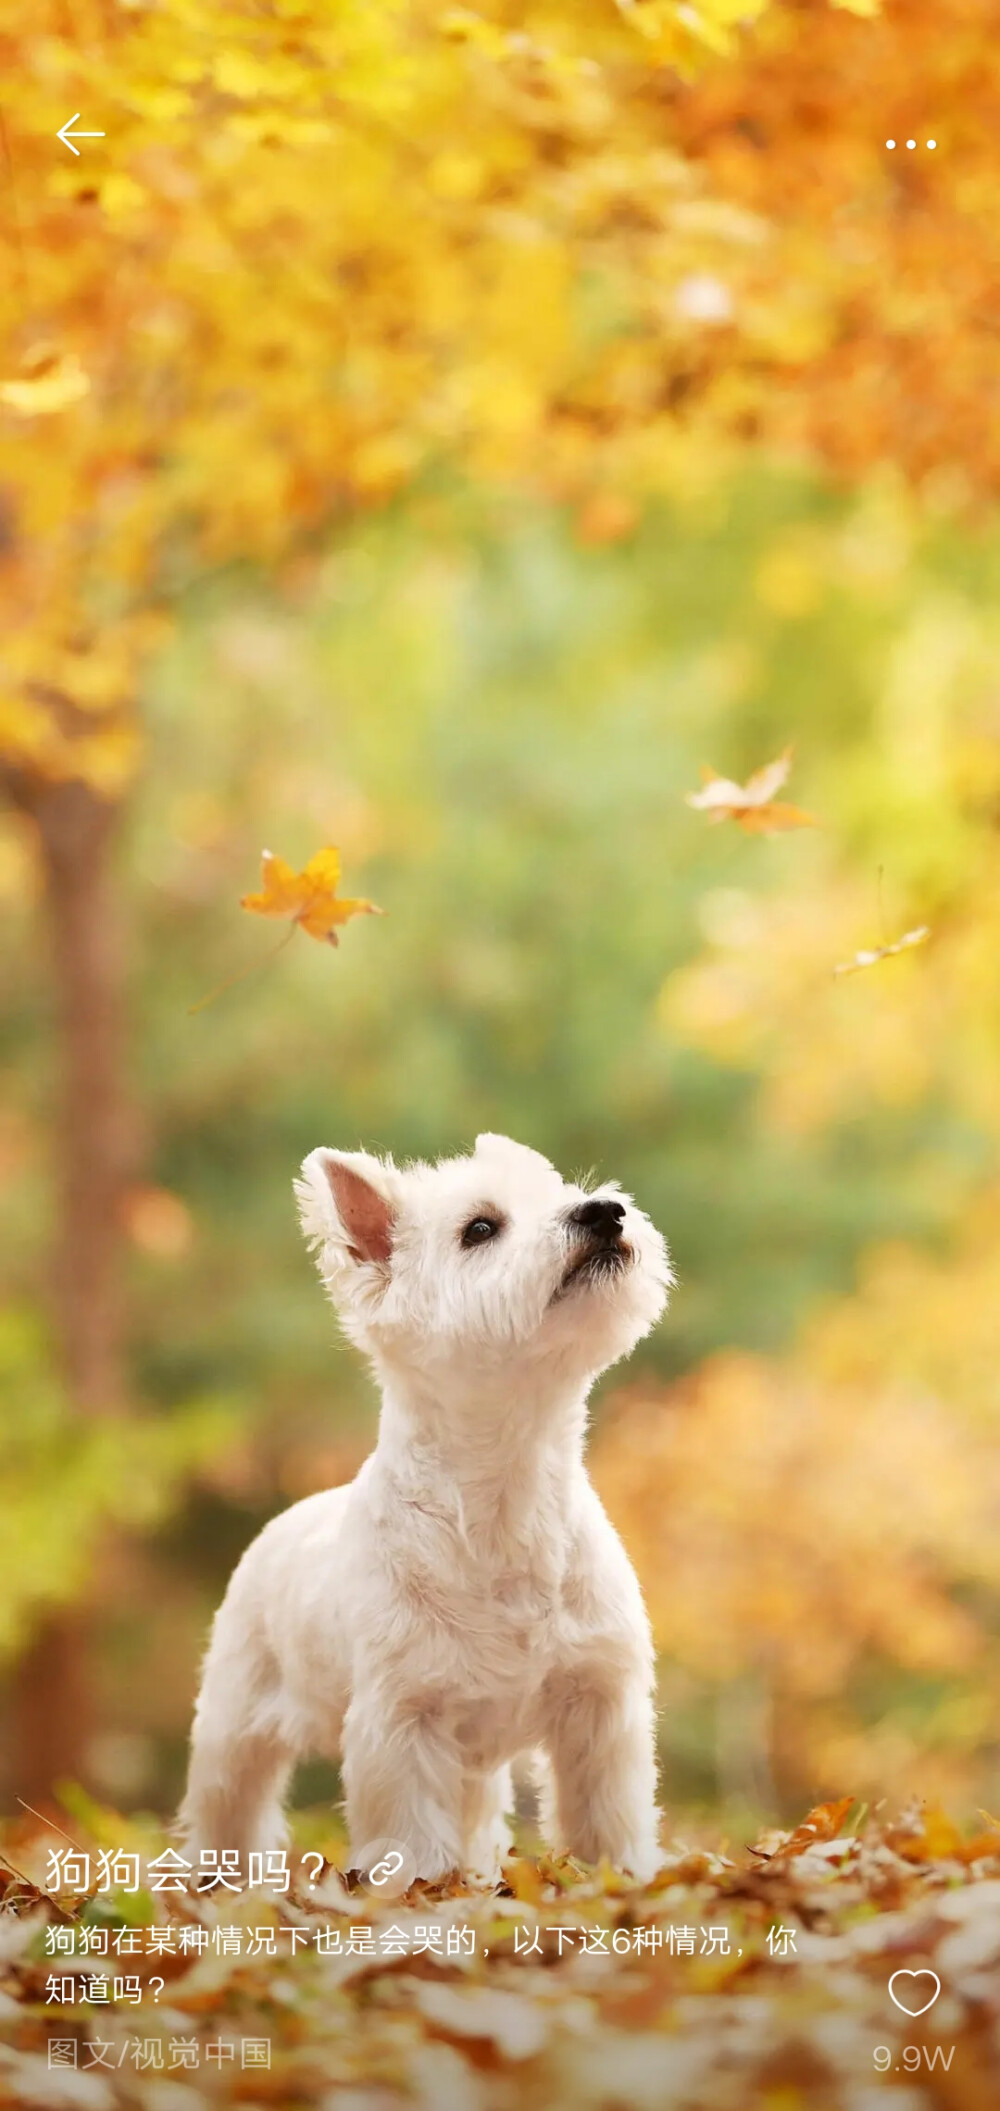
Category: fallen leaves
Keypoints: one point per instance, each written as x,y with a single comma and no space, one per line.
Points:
753,804
935,1837
821,1825
512,2022
308,898
567,1986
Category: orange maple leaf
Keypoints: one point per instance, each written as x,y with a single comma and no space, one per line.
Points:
752,804
821,1824
309,898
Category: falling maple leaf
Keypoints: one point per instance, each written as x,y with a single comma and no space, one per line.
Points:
308,898
872,954
752,804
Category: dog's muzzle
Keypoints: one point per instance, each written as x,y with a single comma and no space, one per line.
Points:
602,1252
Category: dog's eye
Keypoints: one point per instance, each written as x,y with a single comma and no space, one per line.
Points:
479,1230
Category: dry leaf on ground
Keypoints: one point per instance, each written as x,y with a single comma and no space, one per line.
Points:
734,1982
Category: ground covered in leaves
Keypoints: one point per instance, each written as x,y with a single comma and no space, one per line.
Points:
753,1977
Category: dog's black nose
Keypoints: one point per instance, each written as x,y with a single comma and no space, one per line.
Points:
603,1216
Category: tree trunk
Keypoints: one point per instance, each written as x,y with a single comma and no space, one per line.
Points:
53,1713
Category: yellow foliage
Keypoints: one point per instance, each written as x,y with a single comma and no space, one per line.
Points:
796,1520
780,1522
49,381
316,252
313,252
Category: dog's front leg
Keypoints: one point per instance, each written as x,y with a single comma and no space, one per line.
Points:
403,1785
489,1799
601,1800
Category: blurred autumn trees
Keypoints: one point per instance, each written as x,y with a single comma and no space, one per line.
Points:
499,728
589,251
469,266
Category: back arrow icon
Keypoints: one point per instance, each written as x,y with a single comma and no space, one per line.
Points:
67,129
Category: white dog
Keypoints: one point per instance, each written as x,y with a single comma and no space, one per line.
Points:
464,1599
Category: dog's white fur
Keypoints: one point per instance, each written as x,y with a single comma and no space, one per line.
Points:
464,1599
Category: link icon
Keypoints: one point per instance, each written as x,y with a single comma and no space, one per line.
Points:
387,1867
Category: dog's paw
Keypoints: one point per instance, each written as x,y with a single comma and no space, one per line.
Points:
486,1854
484,1870
643,1861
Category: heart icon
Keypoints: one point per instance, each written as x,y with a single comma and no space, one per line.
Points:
908,1999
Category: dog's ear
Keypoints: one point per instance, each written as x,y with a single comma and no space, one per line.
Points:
346,1202
490,1145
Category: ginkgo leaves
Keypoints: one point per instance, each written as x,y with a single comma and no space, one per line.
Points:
308,898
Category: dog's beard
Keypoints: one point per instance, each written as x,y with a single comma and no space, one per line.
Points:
596,1264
